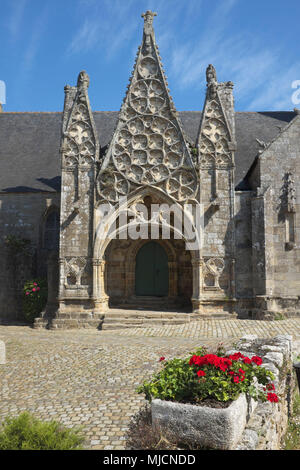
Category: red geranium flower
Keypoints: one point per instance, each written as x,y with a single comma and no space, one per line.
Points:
236,356
257,360
162,359
271,387
272,397
201,373
246,360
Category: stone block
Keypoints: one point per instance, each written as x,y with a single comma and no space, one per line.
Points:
215,428
2,353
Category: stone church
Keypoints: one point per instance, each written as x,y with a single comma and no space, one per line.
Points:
59,170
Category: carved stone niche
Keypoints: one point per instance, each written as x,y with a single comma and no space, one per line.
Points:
290,211
213,269
76,273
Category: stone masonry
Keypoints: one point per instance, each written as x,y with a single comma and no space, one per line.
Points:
104,172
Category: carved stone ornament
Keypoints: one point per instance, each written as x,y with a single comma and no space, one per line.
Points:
148,147
79,145
211,79
212,271
290,192
214,139
74,270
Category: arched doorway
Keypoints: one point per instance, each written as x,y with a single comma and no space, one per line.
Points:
151,271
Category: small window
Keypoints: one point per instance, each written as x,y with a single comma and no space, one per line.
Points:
51,232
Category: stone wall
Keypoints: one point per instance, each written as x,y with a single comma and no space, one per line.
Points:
268,423
21,215
275,223
243,245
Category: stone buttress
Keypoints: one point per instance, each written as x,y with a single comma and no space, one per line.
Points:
216,146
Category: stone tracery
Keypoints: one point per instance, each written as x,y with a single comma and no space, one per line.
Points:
214,136
79,145
148,146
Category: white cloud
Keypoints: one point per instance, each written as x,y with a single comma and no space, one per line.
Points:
255,70
103,27
86,37
277,90
33,44
17,13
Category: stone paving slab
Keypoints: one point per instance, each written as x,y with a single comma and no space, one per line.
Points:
88,377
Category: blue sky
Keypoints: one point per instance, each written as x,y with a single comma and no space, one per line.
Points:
45,44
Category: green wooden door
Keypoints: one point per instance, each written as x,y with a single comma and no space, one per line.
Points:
151,271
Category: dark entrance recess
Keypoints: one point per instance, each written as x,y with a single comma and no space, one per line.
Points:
151,271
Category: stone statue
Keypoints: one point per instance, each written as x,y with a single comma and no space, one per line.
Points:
148,21
211,79
83,79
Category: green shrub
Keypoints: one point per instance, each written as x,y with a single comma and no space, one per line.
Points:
25,432
35,295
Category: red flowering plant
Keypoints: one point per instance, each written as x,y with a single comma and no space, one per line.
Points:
210,376
34,298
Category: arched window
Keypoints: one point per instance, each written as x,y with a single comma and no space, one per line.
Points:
51,231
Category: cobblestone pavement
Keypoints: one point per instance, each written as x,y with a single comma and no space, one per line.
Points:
89,377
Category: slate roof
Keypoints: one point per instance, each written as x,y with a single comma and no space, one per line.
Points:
29,144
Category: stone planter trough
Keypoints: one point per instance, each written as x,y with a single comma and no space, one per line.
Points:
214,428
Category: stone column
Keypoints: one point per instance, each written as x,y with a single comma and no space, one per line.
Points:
99,286
53,280
173,279
197,276
232,279
61,287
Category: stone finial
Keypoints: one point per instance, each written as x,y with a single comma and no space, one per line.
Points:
83,80
211,75
148,21
211,79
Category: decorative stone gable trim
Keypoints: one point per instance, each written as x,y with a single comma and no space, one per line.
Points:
215,142
79,143
148,147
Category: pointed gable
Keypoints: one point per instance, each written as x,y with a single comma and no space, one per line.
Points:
79,143
214,140
148,146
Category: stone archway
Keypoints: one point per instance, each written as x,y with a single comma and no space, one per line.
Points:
120,273
115,255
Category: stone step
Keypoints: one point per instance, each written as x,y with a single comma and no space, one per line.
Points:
135,319
148,321
119,325
145,315
119,319
217,316
148,303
